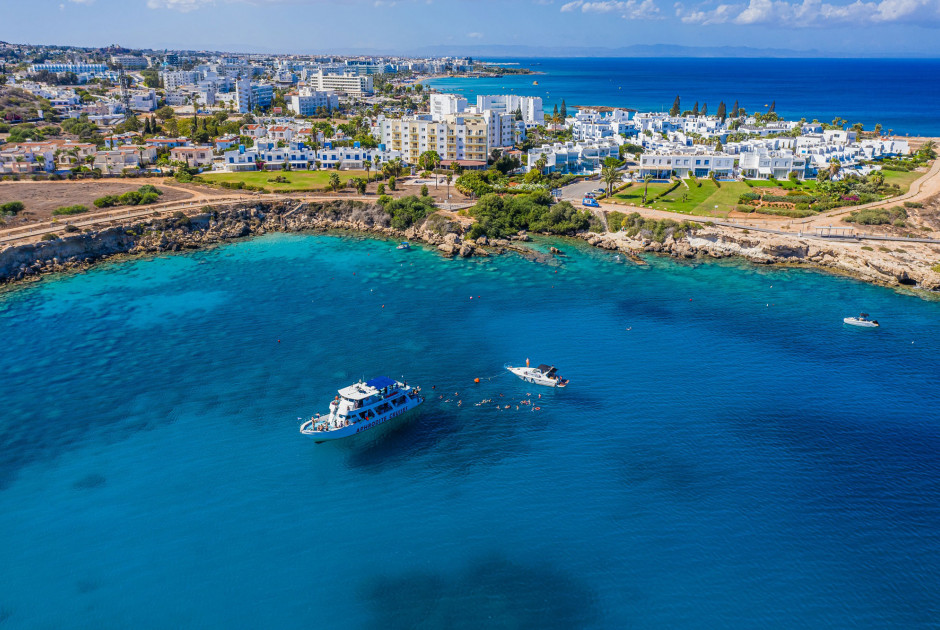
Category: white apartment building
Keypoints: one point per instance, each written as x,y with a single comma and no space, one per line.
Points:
243,96
308,101
129,62
173,80
144,101
351,84
763,164
456,137
663,164
531,106
446,104
572,157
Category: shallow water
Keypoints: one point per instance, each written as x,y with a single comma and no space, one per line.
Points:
737,458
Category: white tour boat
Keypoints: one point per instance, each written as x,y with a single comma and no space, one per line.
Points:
542,375
404,245
862,320
362,406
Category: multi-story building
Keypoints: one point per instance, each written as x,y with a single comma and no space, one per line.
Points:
261,95
351,84
446,104
243,96
531,106
701,163
455,137
176,79
130,62
77,68
308,101
573,157
764,164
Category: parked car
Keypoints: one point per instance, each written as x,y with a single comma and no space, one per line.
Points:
590,202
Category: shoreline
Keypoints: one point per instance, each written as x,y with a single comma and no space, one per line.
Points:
28,263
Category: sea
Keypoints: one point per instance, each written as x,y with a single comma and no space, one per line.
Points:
901,94
727,455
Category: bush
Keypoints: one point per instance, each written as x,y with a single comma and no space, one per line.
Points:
407,211
878,216
380,189
745,208
913,204
51,236
71,228
391,182
615,220
936,268
867,248
12,207
424,190
68,210
498,217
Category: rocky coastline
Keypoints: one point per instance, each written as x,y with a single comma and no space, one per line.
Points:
211,226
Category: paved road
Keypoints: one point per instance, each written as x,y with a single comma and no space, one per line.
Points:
575,192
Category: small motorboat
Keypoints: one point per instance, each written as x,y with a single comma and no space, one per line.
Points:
404,245
545,375
861,321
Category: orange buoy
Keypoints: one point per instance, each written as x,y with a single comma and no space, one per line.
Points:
383,306
536,408
476,380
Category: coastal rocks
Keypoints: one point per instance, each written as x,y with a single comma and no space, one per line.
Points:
521,236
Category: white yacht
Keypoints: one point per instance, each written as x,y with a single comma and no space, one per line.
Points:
862,320
362,406
542,375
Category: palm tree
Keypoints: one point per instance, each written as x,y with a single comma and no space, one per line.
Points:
646,184
334,182
541,163
367,165
834,167
610,176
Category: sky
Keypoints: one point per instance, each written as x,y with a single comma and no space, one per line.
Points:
888,28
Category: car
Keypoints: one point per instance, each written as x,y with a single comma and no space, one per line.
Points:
590,202
600,191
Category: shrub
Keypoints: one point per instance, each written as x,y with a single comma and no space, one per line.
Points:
878,216
747,209
71,228
867,248
407,211
391,182
12,207
424,191
130,198
615,220
913,204
936,268
380,189
68,210
51,236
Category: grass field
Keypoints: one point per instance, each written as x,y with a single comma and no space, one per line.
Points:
299,180
634,194
901,178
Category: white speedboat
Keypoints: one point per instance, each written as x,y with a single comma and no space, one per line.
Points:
542,375
404,245
862,321
363,406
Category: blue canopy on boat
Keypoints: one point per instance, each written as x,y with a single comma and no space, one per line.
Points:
380,382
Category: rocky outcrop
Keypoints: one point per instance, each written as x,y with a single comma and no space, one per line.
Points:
181,232
879,266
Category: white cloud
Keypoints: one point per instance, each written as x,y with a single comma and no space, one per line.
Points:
809,13
628,10
179,5
475,35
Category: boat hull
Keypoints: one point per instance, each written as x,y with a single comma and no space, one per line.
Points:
861,323
358,427
535,377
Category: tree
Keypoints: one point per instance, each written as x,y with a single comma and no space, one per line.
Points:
834,167
456,168
334,181
518,114
773,107
718,146
704,111
147,130
674,111
610,176
695,109
360,186
541,163
722,111
646,185
367,165
564,110
429,160
555,114
878,129
735,111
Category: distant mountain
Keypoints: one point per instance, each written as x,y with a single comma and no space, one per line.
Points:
639,50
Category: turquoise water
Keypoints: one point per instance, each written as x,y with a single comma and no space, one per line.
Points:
736,459
892,92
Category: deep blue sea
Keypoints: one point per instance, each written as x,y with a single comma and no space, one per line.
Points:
901,94
727,455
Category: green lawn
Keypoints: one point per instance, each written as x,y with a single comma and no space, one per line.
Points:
634,194
299,180
901,178
689,200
